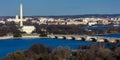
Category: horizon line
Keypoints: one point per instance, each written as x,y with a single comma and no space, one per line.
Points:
68,15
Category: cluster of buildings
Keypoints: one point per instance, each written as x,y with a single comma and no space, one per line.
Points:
69,21
79,21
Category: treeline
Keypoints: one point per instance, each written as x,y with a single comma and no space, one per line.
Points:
91,52
40,52
8,28
77,29
43,30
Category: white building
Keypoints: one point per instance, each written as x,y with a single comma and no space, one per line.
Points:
28,29
43,20
14,19
2,22
92,23
76,22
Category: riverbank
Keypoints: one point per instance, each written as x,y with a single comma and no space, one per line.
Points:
10,37
6,37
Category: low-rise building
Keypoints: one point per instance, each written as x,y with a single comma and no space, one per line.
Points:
28,29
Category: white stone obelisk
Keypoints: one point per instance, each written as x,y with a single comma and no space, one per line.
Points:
21,15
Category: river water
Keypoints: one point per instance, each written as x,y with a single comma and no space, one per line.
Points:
11,45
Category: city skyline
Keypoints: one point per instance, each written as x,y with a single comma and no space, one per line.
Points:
59,7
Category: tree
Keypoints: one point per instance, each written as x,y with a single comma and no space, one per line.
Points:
43,34
19,55
17,33
117,53
104,53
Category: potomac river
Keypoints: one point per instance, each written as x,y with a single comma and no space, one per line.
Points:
11,45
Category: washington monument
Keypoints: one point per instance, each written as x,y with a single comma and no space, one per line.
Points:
21,15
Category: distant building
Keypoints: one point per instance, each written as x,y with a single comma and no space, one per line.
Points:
16,19
43,20
76,22
28,29
2,22
56,22
90,23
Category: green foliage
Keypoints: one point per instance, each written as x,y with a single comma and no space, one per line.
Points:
43,34
17,33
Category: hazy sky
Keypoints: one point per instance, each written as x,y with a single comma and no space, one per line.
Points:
59,7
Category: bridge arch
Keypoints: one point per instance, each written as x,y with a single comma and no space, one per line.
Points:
80,38
83,39
102,40
115,41
64,37
92,40
73,38
56,37
106,40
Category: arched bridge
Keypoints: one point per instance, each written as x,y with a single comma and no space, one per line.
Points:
86,38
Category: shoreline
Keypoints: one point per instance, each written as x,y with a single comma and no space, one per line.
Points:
11,37
5,37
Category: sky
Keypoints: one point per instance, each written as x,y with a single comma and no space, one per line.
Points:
59,7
